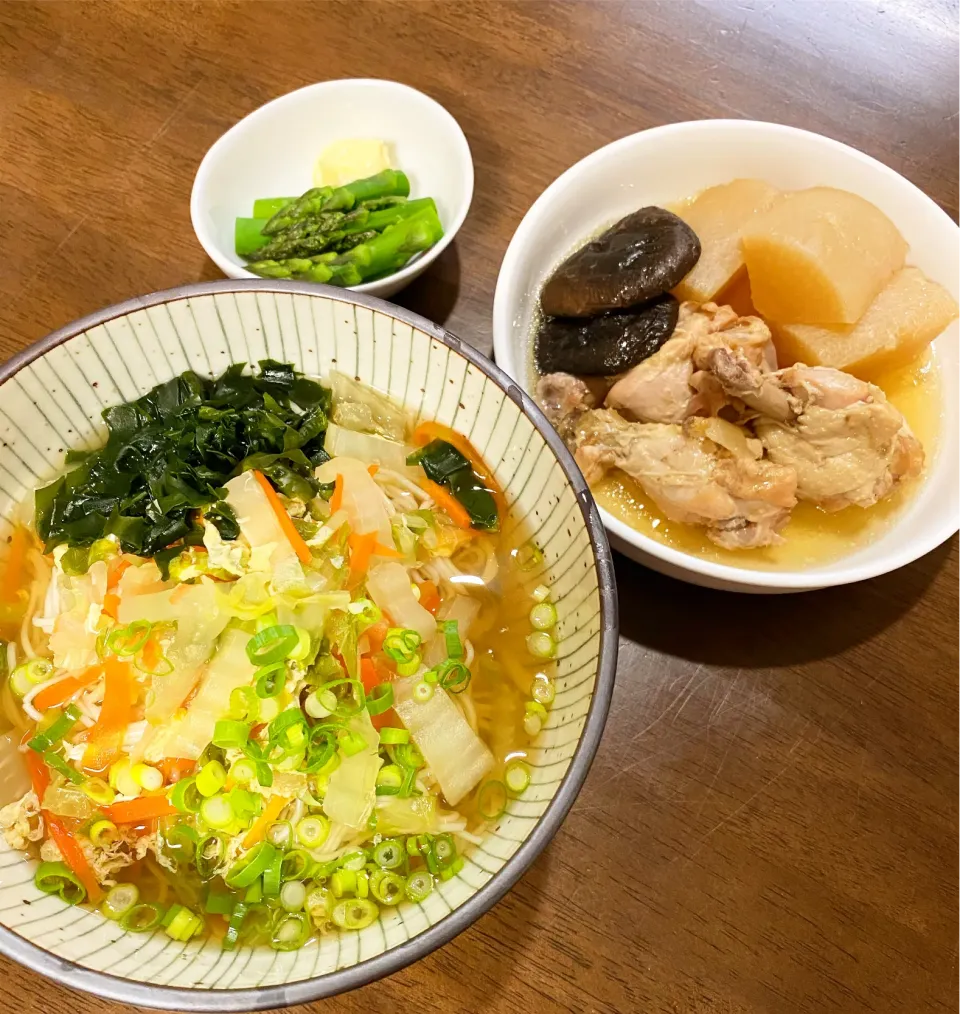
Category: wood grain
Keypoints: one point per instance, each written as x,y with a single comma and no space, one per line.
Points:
771,822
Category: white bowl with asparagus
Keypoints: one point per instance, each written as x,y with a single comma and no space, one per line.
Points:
360,183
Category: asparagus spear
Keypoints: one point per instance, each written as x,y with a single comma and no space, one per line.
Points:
267,207
304,240
389,183
385,253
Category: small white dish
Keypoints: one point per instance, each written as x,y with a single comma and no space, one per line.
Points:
668,163
273,151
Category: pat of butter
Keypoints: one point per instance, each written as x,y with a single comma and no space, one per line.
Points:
350,159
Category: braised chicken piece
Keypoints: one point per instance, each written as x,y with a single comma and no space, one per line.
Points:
847,443
705,472
673,383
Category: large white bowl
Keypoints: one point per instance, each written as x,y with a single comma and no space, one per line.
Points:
668,163
51,399
272,152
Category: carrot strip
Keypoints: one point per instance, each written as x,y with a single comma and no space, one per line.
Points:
39,773
362,547
143,808
336,500
429,597
447,502
73,856
376,635
373,469
175,768
55,694
111,600
428,431
270,813
116,713
286,523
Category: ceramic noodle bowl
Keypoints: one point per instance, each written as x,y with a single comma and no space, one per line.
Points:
51,399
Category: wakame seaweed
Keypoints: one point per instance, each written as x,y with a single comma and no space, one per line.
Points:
445,465
169,453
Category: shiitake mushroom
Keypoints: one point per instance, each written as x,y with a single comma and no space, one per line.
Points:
608,344
634,261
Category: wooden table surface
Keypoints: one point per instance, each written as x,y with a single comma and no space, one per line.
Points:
771,822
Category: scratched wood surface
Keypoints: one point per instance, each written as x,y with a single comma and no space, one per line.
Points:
771,822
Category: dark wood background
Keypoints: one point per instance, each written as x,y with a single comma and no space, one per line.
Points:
771,822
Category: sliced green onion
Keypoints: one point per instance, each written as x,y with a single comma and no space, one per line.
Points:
312,831
273,875
244,704
211,851
408,755
422,692
354,913
528,556
59,879
390,736
543,690
182,839
543,616
233,929
535,718
409,668
142,918
229,734
366,611
28,674
389,854
55,732
292,895
301,649
453,676
444,849
516,776
541,645
280,834
347,707
270,680
343,882
389,780
103,832
451,635
321,704
449,872
211,779
355,861
287,734
147,777
401,644
387,888
380,699
272,644
267,709
419,885
219,903
217,812
254,893
321,749
541,593
291,932
243,771
55,761
120,900
184,924
297,865
128,640
492,800
250,866
185,795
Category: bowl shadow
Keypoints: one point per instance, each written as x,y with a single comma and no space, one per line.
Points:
757,631
434,293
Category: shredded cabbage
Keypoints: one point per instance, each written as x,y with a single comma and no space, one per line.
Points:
363,500
358,407
365,446
456,755
351,788
389,586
